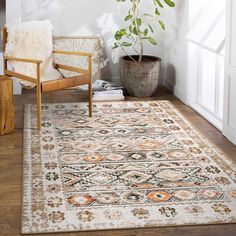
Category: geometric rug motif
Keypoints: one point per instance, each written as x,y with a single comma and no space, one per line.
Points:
134,164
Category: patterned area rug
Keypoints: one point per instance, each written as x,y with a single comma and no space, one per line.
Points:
134,164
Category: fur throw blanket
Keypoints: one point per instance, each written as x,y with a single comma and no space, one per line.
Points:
32,40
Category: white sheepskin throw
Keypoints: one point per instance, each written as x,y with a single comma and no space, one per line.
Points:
32,40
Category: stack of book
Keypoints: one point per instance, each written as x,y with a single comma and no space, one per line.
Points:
108,95
106,91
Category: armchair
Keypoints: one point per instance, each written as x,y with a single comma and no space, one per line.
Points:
84,76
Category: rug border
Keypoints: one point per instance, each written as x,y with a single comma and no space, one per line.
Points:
134,228
26,132
203,136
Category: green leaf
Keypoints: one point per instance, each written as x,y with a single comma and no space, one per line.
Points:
135,31
152,40
119,35
126,44
123,31
151,28
130,29
162,24
159,3
115,46
138,21
157,12
169,3
127,18
145,32
146,14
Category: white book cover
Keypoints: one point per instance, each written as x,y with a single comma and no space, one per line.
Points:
108,93
102,85
113,98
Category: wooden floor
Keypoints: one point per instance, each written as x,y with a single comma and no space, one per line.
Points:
11,171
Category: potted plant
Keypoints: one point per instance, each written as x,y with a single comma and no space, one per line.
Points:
140,73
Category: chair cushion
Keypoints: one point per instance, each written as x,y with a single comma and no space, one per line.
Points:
32,40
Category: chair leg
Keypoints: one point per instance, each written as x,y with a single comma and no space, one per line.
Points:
39,106
90,100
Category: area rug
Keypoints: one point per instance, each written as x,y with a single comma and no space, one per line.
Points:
134,164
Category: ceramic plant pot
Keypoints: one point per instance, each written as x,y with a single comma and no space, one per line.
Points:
140,79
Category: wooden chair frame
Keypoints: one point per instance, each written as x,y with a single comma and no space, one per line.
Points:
85,76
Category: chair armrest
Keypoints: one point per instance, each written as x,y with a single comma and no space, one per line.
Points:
21,76
23,60
83,54
72,69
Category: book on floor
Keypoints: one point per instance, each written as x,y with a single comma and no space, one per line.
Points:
106,91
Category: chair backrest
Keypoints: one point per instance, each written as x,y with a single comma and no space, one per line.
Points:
31,40
88,44
91,44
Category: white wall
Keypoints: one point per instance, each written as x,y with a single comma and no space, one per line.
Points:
176,50
13,15
92,17
87,17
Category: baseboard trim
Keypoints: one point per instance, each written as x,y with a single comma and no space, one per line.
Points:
229,136
216,122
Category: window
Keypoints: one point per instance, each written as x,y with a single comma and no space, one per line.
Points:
206,37
207,24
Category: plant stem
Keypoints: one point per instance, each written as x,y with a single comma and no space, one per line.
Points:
136,14
127,54
141,52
